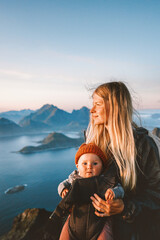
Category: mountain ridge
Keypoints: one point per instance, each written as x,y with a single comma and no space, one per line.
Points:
16,116
48,118
56,118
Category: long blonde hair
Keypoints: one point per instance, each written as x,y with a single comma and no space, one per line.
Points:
117,134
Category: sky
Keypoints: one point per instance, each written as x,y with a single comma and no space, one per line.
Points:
55,52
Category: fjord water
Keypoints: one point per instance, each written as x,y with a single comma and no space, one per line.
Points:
42,172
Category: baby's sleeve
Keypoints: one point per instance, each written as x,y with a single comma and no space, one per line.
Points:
118,191
63,185
67,183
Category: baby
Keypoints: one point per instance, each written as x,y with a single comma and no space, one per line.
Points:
90,161
82,222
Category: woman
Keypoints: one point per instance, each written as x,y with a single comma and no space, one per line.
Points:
137,216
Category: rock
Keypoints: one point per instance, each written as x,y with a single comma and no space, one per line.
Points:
15,189
33,224
156,131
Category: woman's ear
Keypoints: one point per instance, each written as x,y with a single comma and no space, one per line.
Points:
77,165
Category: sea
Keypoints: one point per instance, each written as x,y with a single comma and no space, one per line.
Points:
41,172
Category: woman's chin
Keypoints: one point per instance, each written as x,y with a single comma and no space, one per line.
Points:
98,123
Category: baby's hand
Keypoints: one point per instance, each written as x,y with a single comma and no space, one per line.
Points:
64,192
109,194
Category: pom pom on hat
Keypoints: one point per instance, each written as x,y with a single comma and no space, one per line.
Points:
91,148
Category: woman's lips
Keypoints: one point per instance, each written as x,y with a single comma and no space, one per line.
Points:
94,116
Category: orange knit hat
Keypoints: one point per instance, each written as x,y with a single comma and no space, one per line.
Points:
90,148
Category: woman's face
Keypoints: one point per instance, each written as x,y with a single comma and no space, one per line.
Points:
99,111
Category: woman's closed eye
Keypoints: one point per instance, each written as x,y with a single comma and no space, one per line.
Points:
98,103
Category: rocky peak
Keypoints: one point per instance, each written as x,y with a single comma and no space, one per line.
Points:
32,224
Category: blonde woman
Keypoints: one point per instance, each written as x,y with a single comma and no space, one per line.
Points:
137,217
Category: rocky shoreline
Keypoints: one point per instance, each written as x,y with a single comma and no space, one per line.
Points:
32,224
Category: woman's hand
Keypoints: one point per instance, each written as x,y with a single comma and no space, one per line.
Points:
107,208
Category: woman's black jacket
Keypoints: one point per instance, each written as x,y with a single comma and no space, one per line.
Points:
140,219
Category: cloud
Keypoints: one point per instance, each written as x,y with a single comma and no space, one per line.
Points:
16,74
55,76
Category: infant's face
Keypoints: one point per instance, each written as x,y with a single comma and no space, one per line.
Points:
89,165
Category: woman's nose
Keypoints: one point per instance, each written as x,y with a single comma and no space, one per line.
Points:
92,110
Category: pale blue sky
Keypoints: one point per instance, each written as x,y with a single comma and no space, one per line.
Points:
52,51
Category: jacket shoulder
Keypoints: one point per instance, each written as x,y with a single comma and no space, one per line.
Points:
148,159
144,140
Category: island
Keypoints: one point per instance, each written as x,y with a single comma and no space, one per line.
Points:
54,141
15,189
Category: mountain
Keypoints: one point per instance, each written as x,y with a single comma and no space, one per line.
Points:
51,117
47,118
8,127
34,126
54,141
16,116
74,126
81,116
